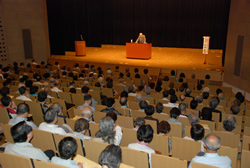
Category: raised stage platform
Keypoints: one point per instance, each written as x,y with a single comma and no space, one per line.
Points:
162,57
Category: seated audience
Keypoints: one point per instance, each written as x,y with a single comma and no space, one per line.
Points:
23,94
212,143
164,129
110,103
124,102
143,104
33,90
138,122
22,134
172,103
56,87
148,91
9,105
85,90
144,135
197,133
109,133
165,94
213,104
81,127
112,115
199,99
149,111
87,114
229,124
111,157
42,99
159,108
206,114
193,105
188,92
87,102
22,115
183,109
67,149
138,98
174,114
235,109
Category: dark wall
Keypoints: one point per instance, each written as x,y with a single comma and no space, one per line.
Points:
169,23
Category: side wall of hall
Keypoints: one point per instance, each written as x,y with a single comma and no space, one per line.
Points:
23,31
237,60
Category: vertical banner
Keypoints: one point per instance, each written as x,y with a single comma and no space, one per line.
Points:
205,44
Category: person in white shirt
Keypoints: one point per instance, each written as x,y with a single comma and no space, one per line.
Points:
86,114
197,133
22,134
56,87
67,149
183,109
111,157
81,127
109,132
23,94
212,144
50,118
145,135
22,115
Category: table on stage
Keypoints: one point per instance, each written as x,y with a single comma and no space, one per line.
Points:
139,50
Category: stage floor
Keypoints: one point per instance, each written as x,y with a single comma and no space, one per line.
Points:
162,57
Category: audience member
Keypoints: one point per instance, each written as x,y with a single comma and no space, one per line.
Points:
206,114
165,94
138,122
174,114
164,129
159,108
110,103
123,102
235,109
23,94
111,157
149,111
229,124
183,109
87,102
212,143
81,128
143,104
9,105
172,103
213,104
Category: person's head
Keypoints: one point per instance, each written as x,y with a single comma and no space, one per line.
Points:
22,90
199,99
87,98
172,73
163,127
197,132
212,143
87,112
110,102
188,91
193,118
183,108
236,102
81,125
50,116
67,148
165,93
171,91
175,112
28,83
111,156
206,114
140,34
218,91
139,122
240,97
123,101
112,115
143,104
213,103
182,75
6,101
229,123
221,96
124,94
138,98
159,107
140,88
106,131
158,88
152,85
149,110
205,95
136,70
23,109
42,96
207,77
235,109
72,90
145,133
173,99
33,89
193,104
148,90
182,97
199,87
21,132
145,71
85,89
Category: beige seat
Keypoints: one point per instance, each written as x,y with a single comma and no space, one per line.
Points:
118,88
93,149
184,121
7,134
247,131
36,111
107,92
247,121
129,136
200,165
161,117
43,140
216,117
184,148
210,124
160,160
62,103
65,96
245,161
4,115
160,143
137,113
98,116
232,153
71,123
77,99
123,111
126,122
134,158
153,124
133,105
99,107
176,130
10,160
228,139
94,128
42,164
149,99
246,143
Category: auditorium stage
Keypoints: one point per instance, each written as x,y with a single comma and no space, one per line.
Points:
162,57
